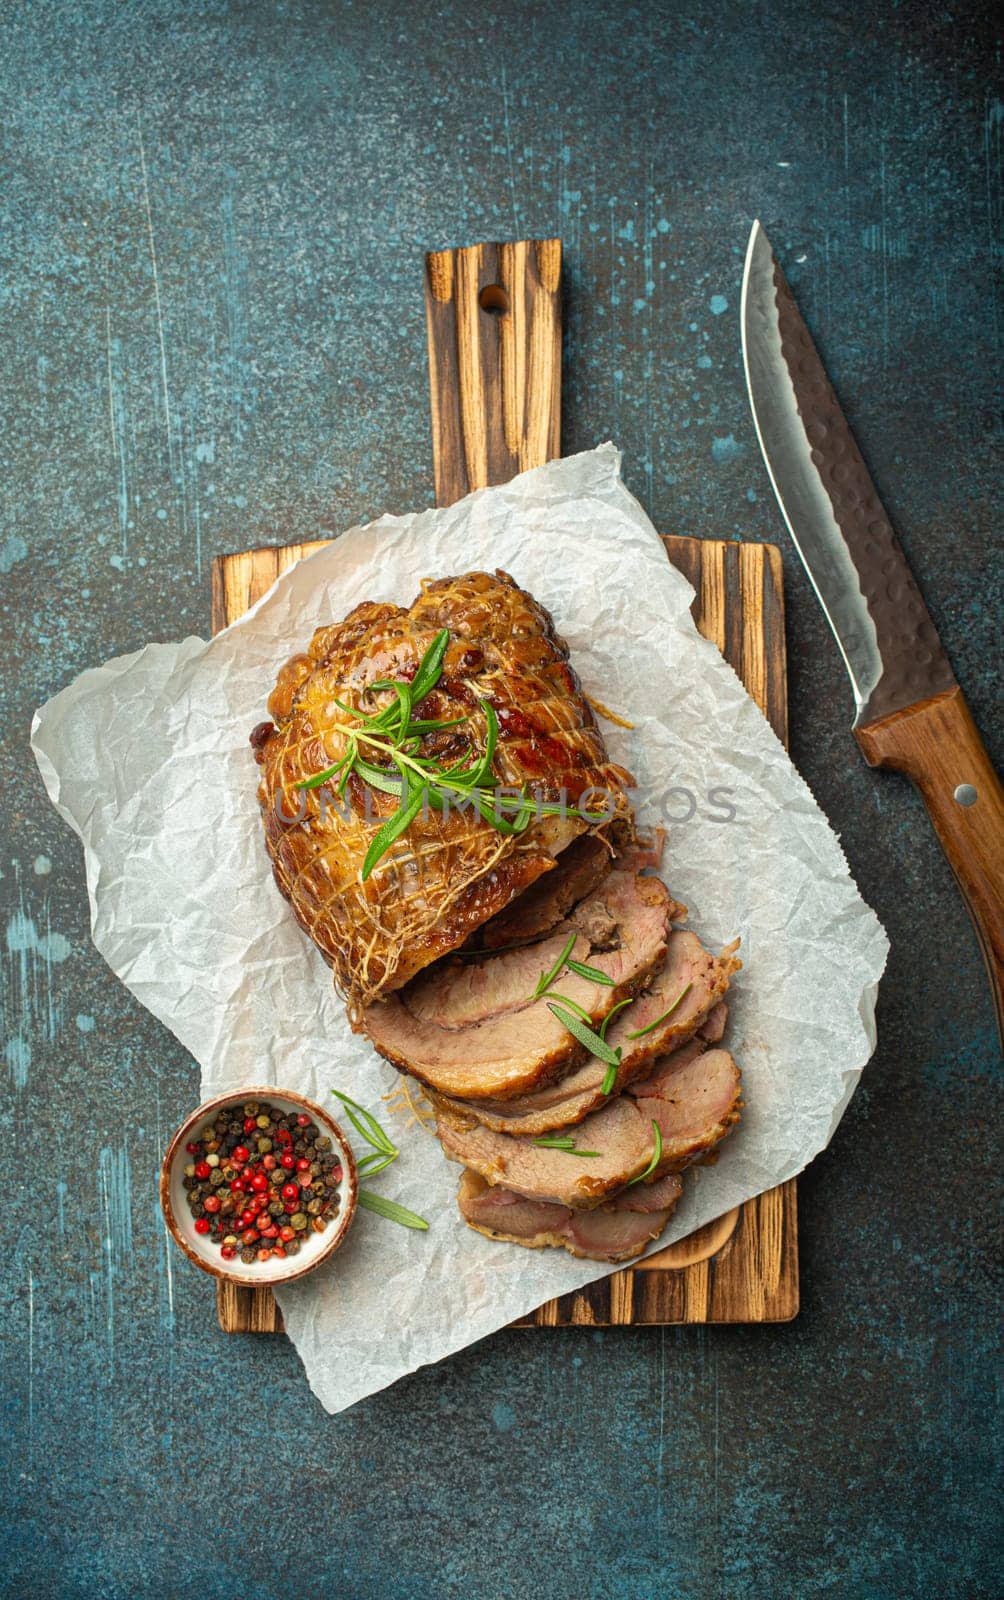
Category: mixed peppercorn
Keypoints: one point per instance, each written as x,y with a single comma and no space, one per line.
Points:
260,1180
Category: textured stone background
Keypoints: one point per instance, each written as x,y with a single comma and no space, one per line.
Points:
213,223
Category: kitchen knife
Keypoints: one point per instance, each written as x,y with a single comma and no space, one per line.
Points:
911,713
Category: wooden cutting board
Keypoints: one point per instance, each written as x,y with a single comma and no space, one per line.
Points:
494,325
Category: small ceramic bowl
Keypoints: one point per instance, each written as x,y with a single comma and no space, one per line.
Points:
314,1247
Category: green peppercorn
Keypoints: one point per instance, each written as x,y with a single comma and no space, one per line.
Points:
298,1221
251,1108
264,1146
314,1208
264,1121
276,1207
323,1143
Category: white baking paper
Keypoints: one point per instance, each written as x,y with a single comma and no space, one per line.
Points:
147,758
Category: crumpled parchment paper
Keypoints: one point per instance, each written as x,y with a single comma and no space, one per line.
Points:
147,758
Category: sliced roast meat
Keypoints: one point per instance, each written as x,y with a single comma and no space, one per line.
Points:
687,970
713,1027
458,994
665,1191
696,1103
614,1232
648,1087
473,1030
576,872
694,1096
620,1134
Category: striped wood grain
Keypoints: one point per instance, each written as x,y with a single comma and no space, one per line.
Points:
744,1267
493,319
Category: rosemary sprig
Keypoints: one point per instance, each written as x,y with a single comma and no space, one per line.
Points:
384,749
656,1157
641,1032
391,1210
382,1153
567,1145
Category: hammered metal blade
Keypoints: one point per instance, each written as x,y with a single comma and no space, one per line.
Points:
889,643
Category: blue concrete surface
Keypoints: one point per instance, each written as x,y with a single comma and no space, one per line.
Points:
213,217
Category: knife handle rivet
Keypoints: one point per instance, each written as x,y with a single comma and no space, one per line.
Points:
966,795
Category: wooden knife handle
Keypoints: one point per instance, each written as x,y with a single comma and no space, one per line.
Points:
937,744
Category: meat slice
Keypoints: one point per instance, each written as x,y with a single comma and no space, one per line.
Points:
565,1102
458,994
696,1102
576,872
472,1030
620,1133
617,1231
713,1026
665,1191
694,1096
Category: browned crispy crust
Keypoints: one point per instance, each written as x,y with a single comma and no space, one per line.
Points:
446,875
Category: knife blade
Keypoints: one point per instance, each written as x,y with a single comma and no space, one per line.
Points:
910,713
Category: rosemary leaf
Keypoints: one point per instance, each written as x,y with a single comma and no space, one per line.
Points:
547,978
391,830
609,1079
641,1032
585,1035
430,667
572,1005
401,712
604,1025
318,778
378,777
373,1133
592,973
374,1163
391,1210
365,717
481,772
656,1157
566,1145
434,724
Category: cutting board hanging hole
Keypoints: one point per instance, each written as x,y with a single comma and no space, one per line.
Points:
494,300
